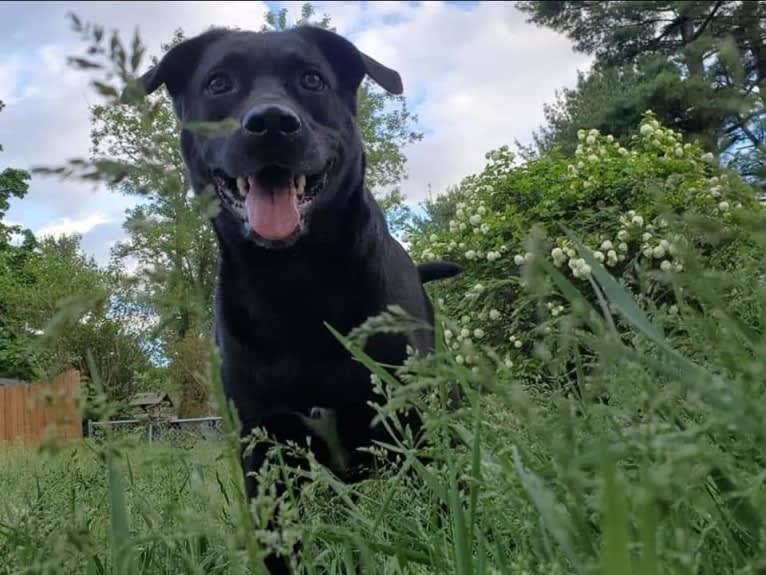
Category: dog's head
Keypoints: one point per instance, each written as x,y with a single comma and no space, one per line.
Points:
294,151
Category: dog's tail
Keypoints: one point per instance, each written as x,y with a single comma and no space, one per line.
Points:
430,271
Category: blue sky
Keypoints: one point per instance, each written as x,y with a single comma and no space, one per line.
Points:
476,73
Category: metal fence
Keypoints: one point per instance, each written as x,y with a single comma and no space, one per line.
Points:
159,430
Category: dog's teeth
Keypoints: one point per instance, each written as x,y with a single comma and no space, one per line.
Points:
242,185
300,184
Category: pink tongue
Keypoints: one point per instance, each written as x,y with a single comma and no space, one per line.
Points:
272,212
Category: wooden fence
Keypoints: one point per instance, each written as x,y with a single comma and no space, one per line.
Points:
33,412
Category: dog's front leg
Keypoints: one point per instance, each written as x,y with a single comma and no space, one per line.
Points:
280,428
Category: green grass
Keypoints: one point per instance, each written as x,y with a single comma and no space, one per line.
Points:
656,466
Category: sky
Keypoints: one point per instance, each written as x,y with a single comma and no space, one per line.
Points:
476,74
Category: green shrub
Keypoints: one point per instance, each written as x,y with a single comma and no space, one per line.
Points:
657,206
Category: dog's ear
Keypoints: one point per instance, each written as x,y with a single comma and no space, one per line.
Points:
352,64
176,66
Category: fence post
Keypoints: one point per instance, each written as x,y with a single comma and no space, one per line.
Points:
149,432
90,428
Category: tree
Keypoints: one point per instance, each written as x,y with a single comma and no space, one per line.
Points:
57,312
700,66
13,357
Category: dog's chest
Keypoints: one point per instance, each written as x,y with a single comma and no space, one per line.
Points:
276,341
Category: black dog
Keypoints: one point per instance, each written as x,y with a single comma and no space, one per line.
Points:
302,241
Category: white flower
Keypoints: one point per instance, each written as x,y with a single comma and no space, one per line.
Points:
673,310
578,151
658,252
481,211
611,254
621,258
679,267
581,134
647,252
623,235
555,311
475,219
460,206
462,227
465,333
478,333
599,256
470,254
646,130
593,132
517,344
623,247
494,314
570,252
460,359
665,266
610,138
679,151
508,363
590,140
528,256
665,244
606,245
465,319
663,223
592,158
518,259
723,206
638,221
478,288
580,165
484,228
708,157
447,334
557,253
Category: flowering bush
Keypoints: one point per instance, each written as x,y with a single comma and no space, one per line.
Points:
637,209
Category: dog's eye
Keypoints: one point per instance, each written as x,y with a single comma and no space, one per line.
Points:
312,81
219,84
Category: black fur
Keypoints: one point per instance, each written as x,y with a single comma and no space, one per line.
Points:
280,365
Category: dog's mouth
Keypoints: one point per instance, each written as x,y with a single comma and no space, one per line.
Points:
272,202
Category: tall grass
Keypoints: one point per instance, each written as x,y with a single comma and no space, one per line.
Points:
642,454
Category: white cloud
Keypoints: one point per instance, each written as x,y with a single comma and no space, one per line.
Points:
9,71
68,226
485,75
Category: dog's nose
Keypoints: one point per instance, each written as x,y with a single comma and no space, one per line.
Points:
271,119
